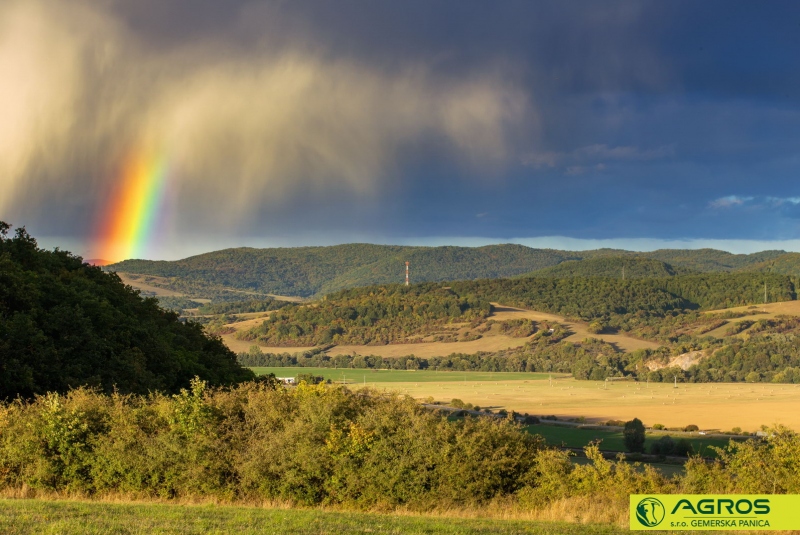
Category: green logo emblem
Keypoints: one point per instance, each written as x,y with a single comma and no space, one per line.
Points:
650,512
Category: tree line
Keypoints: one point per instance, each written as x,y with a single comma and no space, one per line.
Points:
64,323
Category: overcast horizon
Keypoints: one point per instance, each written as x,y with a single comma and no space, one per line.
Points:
626,124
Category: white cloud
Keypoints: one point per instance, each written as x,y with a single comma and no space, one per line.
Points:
778,201
729,201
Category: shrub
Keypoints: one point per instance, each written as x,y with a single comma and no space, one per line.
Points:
658,426
691,428
634,434
309,378
663,446
311,445
595,327
666,446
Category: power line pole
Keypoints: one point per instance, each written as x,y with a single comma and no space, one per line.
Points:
765,292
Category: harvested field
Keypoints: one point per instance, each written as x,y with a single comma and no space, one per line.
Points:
578,329
148,288
708,405
433,349
242,346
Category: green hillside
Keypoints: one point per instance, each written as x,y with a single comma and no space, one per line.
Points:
632,267
708,260
64,323
785,264
308,271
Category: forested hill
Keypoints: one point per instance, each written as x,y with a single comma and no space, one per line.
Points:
307,271
64,323
785,264
631,267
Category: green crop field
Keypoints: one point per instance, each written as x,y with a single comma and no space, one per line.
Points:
23,517
360,376
572,437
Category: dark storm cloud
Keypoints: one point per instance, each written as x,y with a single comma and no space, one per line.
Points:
640,117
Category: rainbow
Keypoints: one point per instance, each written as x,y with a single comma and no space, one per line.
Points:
128,220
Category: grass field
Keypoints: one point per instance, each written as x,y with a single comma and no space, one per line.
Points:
720,406
376,377
24,517
573,437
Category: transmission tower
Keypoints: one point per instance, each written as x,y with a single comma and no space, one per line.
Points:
406,273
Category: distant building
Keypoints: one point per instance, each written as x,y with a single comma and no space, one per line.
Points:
286,380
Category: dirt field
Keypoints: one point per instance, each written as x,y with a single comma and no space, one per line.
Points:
768,311
578,329
710,405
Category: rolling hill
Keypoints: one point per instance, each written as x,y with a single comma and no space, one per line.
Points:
309,271
785,264
632,267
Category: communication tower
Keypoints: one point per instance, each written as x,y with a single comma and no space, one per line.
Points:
406,273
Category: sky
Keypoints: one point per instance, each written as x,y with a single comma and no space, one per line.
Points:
574,125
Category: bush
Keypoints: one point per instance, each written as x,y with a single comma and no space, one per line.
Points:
634,434
309,378
663,446
658,426
311,445
666,446
691,428
595,327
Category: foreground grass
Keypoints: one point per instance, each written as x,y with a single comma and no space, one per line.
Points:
22,517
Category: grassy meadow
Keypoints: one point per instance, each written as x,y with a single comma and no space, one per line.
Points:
28,516
373,377
573,437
